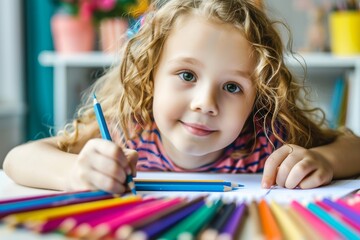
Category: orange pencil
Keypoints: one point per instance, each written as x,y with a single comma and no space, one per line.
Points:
270,227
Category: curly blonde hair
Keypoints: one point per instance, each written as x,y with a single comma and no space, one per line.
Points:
126,90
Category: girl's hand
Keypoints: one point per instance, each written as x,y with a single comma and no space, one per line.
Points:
102,164
293,166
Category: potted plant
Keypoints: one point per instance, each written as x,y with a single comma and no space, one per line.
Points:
71,31
73,26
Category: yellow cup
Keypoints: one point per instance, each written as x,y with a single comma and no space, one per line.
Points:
345,32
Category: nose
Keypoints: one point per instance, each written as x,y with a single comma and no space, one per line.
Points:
205,101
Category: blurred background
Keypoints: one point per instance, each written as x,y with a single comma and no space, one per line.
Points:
50,51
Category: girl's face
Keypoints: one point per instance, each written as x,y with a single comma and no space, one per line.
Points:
203,93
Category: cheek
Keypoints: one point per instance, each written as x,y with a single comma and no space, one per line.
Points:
165,104
236,118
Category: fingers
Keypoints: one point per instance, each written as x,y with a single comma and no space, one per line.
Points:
109,150
272,164
132,157
293,166
316,179
104,182
297,173
107,164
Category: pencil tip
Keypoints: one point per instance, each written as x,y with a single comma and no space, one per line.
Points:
94,95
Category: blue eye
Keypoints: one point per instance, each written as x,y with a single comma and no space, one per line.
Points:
187,76
232,88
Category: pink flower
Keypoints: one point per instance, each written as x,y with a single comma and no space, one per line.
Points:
86,10
105,5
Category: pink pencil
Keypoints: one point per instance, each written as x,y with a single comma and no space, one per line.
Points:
351,220
80,226
353,202
129,217
85,228
322,229
66,223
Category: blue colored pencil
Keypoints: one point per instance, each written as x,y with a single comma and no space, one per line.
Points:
106,135
50,201
188,181
332,222
182,187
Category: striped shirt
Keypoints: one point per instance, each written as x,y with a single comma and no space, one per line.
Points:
152,155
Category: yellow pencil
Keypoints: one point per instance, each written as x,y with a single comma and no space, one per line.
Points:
287,225
303,225
44,214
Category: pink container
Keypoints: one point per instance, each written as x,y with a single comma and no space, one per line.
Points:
113,34
72,34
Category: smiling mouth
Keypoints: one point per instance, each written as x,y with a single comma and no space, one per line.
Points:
198,129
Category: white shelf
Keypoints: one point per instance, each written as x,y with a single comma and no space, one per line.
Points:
92,59
323,62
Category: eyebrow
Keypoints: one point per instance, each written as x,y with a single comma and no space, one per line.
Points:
244,74
186,60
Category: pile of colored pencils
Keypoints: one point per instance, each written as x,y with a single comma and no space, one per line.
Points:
100,215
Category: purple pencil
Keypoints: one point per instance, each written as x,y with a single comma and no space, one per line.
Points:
351,217
232,224
157,227
12,200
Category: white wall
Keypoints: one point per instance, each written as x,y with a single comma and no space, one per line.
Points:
11,76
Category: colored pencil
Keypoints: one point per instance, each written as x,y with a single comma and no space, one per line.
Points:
318,225
193,223
304,225
125,231
84,228
270,227
350,217
50,201
55,204
182,187
45,214
73,221
212,230
252,226
111,226
158,227
287,225
20,199
232,224
345,204
67,223
188,181
354,201
106,135
345,231
197,224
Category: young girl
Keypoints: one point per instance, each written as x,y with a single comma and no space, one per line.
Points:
202,87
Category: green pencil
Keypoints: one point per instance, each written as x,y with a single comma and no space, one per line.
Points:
190,226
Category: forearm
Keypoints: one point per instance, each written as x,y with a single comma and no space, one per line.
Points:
39,164
343,155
